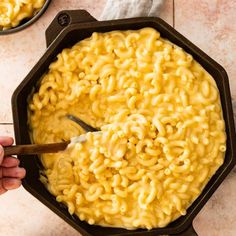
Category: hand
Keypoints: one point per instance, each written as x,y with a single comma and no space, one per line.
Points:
10,172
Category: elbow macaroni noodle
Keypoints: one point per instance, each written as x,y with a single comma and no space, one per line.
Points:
162,130
12,12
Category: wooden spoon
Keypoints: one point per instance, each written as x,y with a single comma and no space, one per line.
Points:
31,149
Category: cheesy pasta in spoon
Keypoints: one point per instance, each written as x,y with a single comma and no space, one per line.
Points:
162,131
12,12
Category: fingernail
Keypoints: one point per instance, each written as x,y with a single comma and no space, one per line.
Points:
1,152
22,173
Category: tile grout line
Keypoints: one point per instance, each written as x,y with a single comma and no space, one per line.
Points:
173,13
4,123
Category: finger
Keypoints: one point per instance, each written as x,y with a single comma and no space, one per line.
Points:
2,189
14,172
11,183
6,141
10,162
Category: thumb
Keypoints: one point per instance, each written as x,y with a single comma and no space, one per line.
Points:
1,154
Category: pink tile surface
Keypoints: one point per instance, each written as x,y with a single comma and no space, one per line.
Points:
24,215
211,26
167,11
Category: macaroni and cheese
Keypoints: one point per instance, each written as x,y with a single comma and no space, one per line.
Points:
12,12
162,131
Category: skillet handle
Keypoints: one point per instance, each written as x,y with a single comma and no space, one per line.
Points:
188,232
63,19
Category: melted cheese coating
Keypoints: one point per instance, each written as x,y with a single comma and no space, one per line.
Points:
162,130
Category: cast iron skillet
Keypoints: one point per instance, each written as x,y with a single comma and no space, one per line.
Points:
26,22
69,27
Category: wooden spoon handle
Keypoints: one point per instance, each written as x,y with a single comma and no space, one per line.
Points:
31,149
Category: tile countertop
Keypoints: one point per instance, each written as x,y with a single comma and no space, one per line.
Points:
208,24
